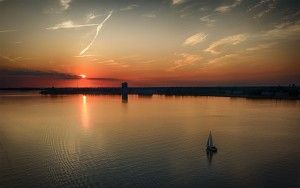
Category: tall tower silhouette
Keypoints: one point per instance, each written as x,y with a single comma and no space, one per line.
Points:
125,91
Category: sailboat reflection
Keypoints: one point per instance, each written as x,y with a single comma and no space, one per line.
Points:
209,155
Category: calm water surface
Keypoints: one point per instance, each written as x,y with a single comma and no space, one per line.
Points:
98,141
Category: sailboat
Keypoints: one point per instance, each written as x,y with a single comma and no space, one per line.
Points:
210,145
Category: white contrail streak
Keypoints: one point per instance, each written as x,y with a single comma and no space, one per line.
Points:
97,32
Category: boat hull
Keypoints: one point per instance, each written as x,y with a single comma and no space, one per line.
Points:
211,149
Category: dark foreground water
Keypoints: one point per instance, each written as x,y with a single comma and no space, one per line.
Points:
98,141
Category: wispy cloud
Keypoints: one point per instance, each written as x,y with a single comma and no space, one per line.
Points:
227,8
195,39
8,31
91,16
224,59
208,20
185,59
118,62
217,46
262,7
129,7
65,4
283,30
260,4
15,59
112,62
177,2
150,15
105,61
97,32
69,25
7,58
261,46
84,55
104,79
291,16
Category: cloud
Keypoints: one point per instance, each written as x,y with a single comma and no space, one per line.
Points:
9,70
224,59
104,79
195,39
227,8
261,46
14,59
97,32
111,62
91,16
185,59
84,55
69,25
217,46
262,7
22,72
8,31
290,16
7,58
284,30
118,62
150,15
105,61
65,4
129,7
260,4
177,2
209,21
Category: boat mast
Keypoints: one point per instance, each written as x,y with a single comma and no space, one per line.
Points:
209,140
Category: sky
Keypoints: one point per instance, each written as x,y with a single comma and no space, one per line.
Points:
149,43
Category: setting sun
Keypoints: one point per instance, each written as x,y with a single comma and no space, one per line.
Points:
82,75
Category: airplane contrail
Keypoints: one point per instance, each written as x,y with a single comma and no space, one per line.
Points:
97,32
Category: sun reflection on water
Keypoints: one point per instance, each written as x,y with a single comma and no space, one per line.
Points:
84,113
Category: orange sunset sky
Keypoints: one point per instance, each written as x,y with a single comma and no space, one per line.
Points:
149,43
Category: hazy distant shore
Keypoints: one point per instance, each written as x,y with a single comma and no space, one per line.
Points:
259,92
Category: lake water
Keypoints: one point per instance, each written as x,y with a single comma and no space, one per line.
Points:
159,141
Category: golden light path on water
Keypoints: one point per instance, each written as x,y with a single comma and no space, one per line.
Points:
84,113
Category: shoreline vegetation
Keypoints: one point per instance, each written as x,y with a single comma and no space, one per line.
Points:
291,92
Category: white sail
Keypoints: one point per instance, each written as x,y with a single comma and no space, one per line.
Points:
209,141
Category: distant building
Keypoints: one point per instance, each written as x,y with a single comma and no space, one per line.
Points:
124,86
124,91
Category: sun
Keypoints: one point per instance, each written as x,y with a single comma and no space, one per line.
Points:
82,75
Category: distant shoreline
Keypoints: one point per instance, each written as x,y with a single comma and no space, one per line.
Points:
254,92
